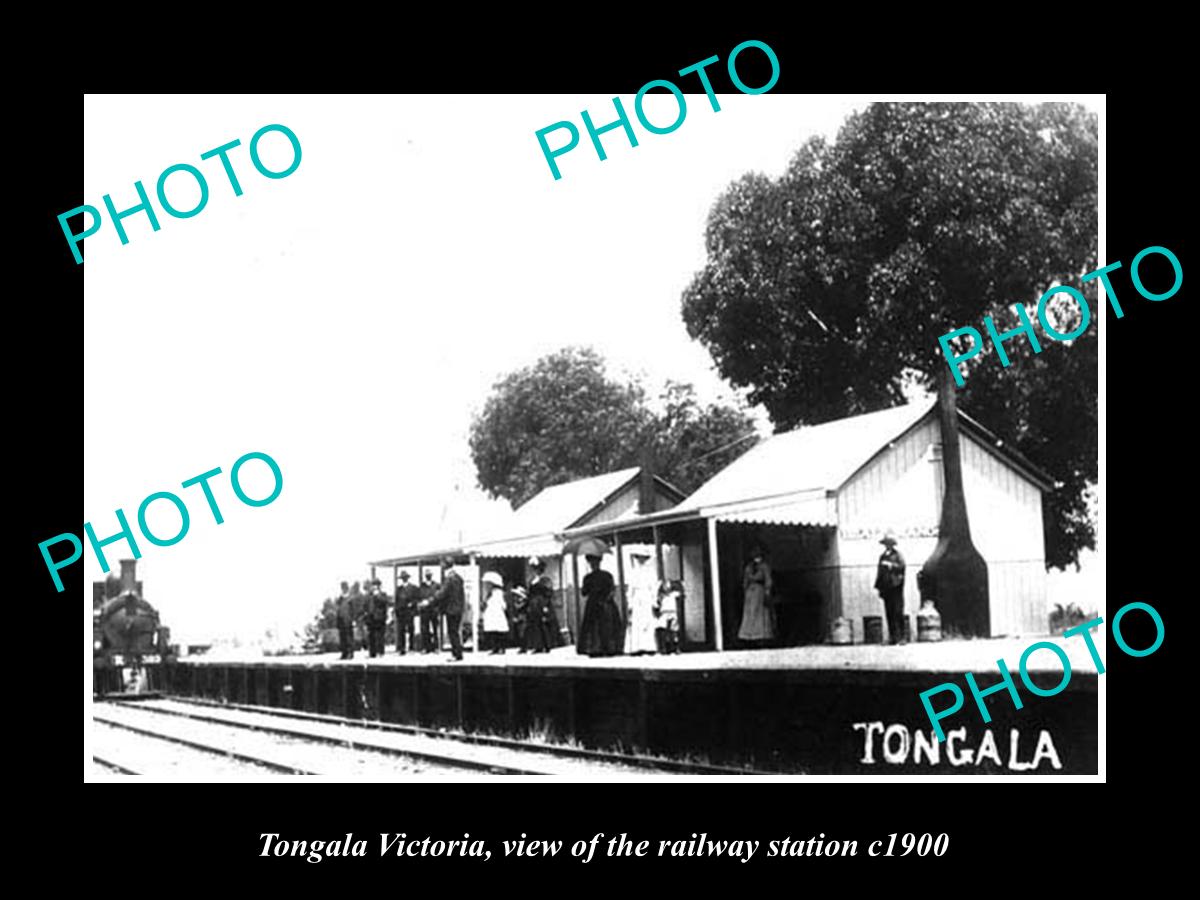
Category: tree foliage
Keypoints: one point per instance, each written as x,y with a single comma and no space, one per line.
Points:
324,622
565,418
827,288
690,442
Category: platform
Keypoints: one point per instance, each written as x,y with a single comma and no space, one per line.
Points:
799,710
977,656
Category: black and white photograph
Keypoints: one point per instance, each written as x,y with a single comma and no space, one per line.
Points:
480,438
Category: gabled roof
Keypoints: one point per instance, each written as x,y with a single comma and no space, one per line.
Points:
811,458
817,460
560,506
533,529
418,556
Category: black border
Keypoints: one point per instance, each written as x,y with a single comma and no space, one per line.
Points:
1148,528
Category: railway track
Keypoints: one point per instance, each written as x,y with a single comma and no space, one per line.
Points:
112,767
201,746
185,745
383,745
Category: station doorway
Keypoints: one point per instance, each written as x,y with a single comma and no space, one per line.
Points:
805,582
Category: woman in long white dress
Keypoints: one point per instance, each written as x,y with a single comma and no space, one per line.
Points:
758,621
642,587
495,619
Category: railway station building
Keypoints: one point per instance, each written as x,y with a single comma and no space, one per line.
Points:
818,499
536,528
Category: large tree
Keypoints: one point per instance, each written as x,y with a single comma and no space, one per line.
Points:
827,289
689,442
565,418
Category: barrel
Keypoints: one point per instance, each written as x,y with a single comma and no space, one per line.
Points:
872,629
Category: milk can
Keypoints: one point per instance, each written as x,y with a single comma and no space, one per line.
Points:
929,622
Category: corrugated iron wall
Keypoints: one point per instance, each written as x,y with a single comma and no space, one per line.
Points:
901,490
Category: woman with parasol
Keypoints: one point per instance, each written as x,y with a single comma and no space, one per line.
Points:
600,633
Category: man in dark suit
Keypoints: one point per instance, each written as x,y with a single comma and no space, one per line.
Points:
377,610
451,600
407,598
889,581
429,615
345,622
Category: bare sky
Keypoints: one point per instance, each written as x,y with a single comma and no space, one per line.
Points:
350,318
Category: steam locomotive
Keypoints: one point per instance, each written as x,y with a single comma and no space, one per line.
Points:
126,634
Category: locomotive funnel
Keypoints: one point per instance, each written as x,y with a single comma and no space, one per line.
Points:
128,575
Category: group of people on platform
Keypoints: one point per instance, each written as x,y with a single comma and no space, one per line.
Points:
760,601
651,621
523,616
423,604
520,616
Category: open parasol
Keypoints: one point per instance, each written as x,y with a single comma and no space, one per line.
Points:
591,547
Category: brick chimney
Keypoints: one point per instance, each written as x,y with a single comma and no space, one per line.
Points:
128,575
646,491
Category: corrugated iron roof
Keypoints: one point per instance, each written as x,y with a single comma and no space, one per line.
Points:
791,478
533,528
517,548
761,486
812,511
557,507
421,556
811,458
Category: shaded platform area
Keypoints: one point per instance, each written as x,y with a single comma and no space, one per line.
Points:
815,710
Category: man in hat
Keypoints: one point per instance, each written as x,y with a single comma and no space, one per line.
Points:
451,600
429,615
345,622
889,581
408,596
377,609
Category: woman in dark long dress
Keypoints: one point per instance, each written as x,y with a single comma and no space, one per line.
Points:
541,625
600,633
517,610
